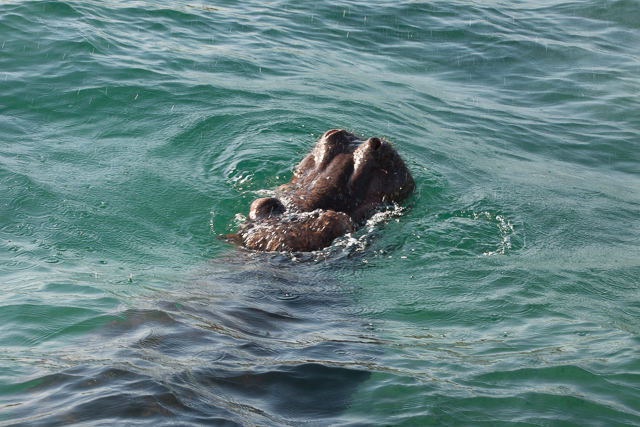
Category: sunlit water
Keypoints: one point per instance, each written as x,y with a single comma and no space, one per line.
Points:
505,292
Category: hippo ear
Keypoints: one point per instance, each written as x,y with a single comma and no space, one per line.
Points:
267,206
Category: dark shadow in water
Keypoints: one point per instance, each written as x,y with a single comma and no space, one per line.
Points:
262,340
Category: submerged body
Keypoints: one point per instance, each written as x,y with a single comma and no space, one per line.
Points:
333,190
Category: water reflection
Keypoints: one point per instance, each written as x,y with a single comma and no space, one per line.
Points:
259,340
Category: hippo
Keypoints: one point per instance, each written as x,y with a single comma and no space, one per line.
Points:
333,191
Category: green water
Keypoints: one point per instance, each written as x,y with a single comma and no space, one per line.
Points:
134,135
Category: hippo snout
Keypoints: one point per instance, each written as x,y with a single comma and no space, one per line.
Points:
334,189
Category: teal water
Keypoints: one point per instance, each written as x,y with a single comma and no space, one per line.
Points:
505,292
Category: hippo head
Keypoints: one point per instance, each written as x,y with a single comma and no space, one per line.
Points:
333,191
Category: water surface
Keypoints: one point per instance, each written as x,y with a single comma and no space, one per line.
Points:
505,292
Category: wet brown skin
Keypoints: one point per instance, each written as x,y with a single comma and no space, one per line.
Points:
333,190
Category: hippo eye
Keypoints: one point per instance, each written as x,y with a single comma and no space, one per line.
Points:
375,144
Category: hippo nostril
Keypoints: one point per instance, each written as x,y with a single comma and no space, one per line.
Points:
328,133
375,143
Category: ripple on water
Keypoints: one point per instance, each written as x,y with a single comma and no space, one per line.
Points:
207,347
506,293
